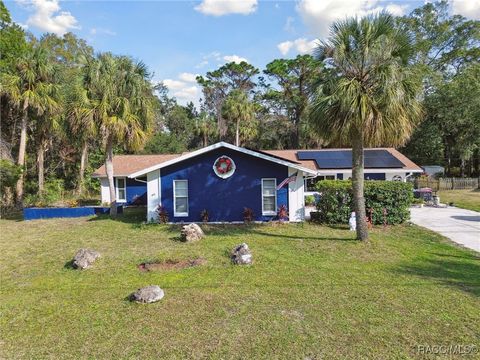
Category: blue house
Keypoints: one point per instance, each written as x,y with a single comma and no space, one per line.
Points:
224,179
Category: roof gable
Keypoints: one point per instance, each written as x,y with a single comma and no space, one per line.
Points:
218,145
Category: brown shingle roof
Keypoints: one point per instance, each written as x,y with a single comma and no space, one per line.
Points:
124,165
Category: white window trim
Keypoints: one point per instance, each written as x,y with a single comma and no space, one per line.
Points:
116,189
270,213
175,213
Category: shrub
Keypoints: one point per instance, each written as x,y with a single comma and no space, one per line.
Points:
9,174
248,215
162,214
53,195
309,200
336,201
282,213
204,215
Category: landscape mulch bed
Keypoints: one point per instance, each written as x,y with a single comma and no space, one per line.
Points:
171,264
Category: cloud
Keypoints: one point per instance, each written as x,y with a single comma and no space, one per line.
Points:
397,10
319,15
289,25
225,7
214,55
102,31
234,58
48,17
184,90
468,8
188,77
301,45
285,47
201,64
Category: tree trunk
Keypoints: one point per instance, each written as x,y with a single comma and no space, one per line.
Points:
237,134
41,167
357,183
205,140
109,170
83,165
21,157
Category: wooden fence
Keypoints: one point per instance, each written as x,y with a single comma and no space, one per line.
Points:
447,183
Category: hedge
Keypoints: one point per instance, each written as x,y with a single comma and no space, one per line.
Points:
336,201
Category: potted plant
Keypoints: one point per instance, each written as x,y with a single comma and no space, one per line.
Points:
204,215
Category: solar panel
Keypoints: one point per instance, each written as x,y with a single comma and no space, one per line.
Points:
342,159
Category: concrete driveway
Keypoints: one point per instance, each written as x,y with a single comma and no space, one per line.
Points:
459,225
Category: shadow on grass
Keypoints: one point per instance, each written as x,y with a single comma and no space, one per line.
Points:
227,229
69,265
300,237
461,274
131,215
129,298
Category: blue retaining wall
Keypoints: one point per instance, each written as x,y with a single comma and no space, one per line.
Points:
223,198
50,213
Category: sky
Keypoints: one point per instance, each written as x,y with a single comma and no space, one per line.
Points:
181,39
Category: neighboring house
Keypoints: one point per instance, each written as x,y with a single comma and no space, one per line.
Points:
432,170
224,179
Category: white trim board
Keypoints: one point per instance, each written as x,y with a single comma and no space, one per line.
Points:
218,146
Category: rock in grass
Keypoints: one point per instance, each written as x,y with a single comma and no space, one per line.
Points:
148,294
191,232
84,258
241,255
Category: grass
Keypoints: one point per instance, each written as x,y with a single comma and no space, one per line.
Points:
465,199
312,292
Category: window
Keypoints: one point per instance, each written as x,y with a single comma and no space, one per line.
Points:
269,196
121,190
180,197
311,183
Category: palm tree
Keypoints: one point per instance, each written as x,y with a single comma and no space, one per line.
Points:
81,123
122,98
238,109
205,127
372,95
30,89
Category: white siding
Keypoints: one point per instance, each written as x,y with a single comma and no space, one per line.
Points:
105,191
296,199
153,194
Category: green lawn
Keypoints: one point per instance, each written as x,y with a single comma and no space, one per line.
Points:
313,292
466,199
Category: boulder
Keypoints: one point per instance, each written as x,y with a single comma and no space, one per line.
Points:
148,294
191,232
241,255
84,258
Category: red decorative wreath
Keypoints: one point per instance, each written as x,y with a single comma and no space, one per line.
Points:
224,167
